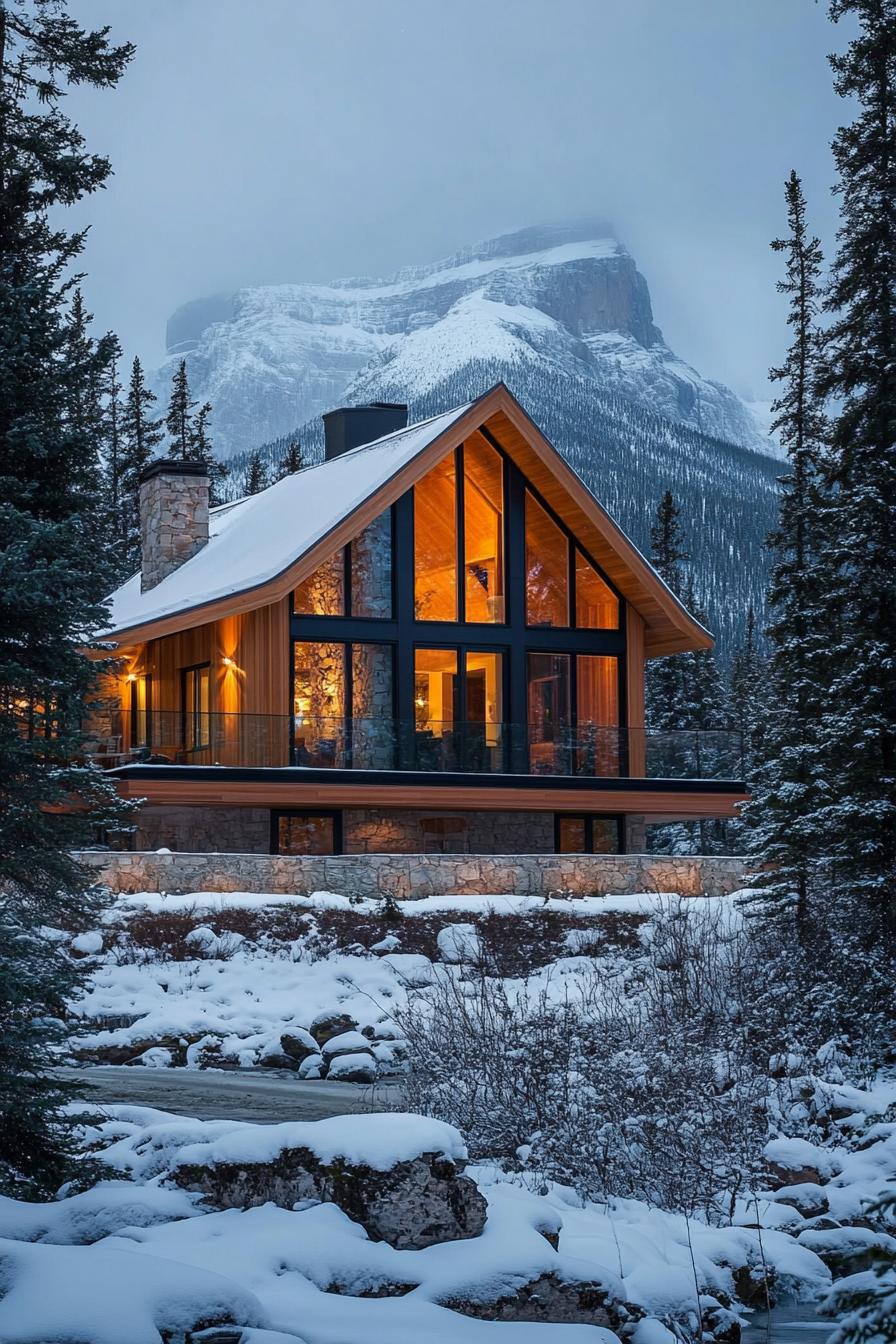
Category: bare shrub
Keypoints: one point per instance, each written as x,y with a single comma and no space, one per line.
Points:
637,1079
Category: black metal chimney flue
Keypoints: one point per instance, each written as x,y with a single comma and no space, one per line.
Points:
350,426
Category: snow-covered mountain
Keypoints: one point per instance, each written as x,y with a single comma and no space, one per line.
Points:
565,300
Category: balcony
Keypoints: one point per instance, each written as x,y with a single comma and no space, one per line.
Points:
276,741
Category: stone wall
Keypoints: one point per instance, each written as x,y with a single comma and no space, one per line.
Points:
416,875
410,831
237,830
174,499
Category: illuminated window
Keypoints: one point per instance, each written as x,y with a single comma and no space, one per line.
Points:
436,691
549,713
141,712
597,715
343,711
435,544
547,568
589,835
196,704
323,592
483,532
306,833
597,607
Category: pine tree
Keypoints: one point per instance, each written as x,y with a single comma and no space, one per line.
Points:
256,475
141,436
113,457
860,376
685,690
179,417
291,461
792,775
201,451
54,567
746,694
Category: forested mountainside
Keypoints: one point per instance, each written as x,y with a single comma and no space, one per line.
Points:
628,456
566,299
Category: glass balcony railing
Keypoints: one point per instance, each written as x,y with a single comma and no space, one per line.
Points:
268,740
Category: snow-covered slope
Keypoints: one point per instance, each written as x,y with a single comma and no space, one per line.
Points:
552,299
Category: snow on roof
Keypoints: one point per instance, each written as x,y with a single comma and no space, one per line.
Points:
254,539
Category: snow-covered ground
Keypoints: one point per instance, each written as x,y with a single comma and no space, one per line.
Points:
222,999
133,1256
137,1258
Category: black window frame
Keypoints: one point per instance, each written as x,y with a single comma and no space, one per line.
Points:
333,814
346,552
134,744
191,713
588,818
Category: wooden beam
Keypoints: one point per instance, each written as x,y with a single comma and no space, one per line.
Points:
232,793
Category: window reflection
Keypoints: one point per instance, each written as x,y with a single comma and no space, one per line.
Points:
547,568
483,532
306,834
597,607
549,716
323,592
435,544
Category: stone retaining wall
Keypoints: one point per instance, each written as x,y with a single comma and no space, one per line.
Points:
407,876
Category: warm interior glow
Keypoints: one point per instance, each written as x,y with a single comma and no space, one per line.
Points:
597,607
483,532
435,544
547,568
435,690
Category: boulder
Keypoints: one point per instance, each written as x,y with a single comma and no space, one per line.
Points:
808,1199
276,1059
346,1043
355,1068
549,1299
298,1044
326,1025
413,1204
312,1067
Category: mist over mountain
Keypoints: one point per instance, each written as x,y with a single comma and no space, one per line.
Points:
563,316
567,298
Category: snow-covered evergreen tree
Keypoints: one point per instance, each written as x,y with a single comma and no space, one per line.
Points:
179,416
747,693
291,461
256,475
859,375
792,777
54,565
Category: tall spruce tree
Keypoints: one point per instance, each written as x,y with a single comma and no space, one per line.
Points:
141,435
179,417
790,788
256,474
859,374
201,451
53,567
746,694
292,460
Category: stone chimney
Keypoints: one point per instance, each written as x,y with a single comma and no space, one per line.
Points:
173,517
351,426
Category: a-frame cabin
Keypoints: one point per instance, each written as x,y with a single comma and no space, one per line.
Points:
434,640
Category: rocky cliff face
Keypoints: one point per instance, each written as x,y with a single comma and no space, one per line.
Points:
564,300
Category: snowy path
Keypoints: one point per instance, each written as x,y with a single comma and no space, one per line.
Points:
240,1095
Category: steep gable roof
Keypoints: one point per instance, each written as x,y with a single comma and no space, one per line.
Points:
260,547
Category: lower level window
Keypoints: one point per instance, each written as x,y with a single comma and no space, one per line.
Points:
306,833
589,835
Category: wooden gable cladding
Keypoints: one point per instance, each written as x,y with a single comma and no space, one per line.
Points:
668,628
254,681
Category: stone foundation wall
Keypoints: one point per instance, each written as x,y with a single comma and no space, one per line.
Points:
412,831
229,830
416,875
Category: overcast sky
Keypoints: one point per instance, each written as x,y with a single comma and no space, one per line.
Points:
287,140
